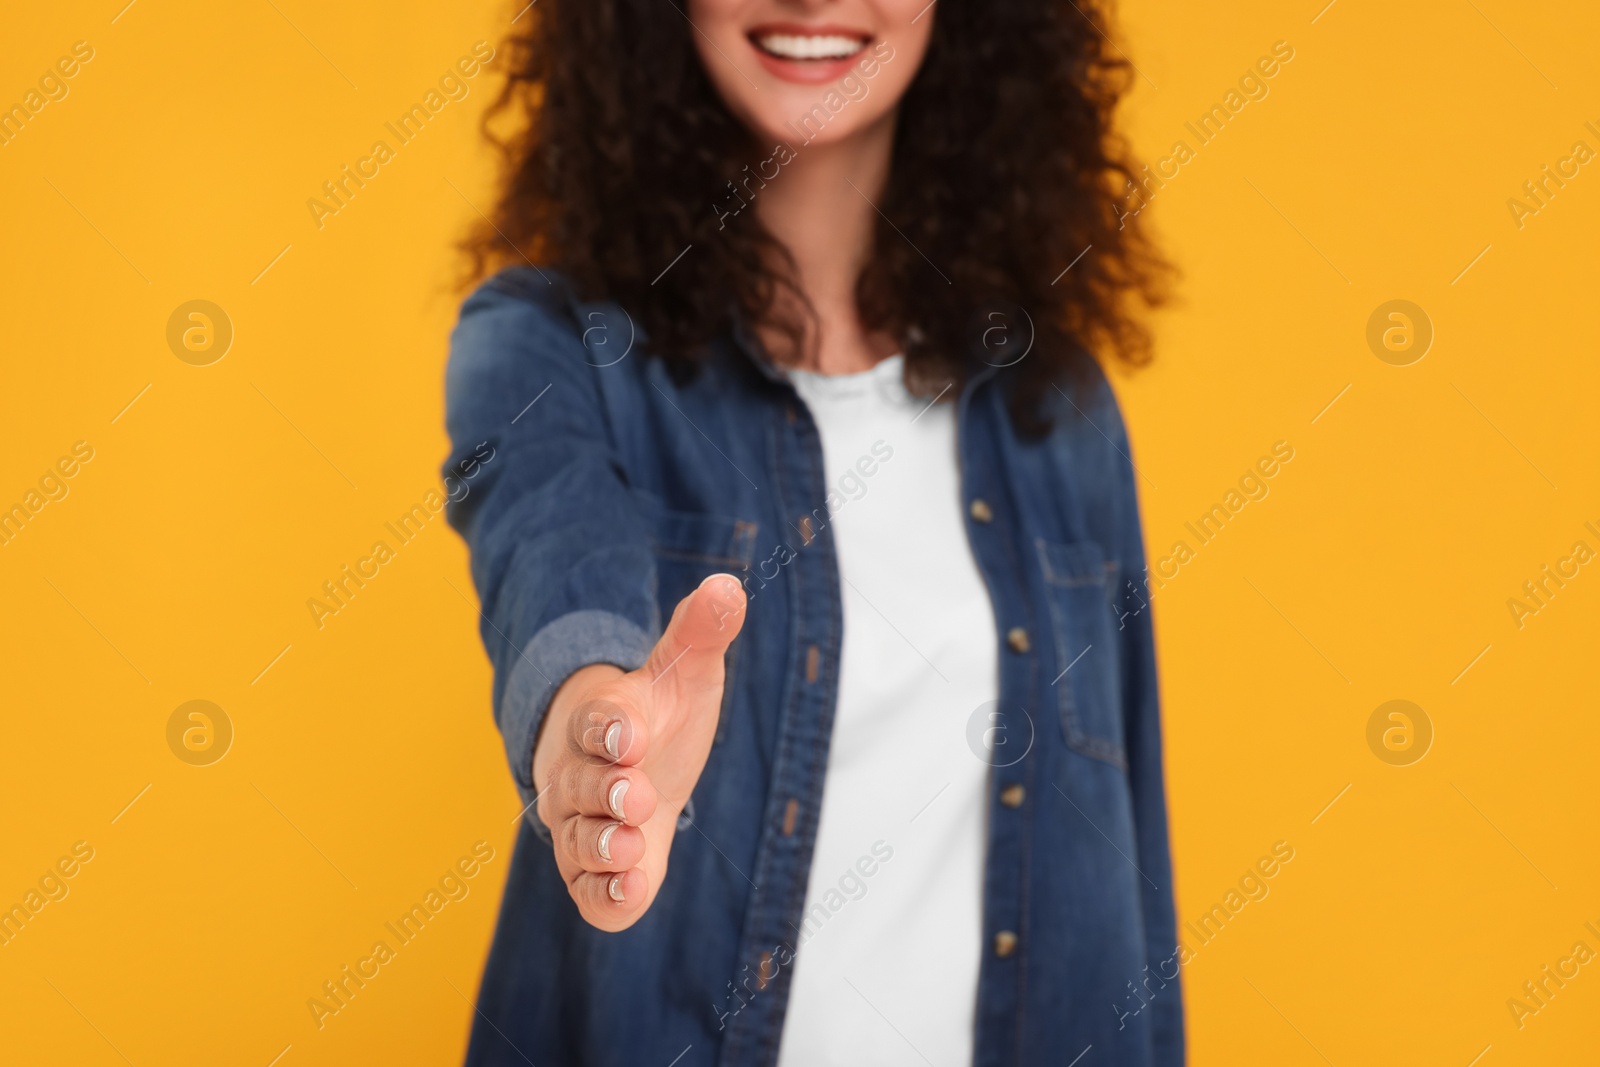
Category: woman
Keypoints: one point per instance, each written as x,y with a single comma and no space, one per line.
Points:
804,550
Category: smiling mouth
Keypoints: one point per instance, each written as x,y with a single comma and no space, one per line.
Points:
814,48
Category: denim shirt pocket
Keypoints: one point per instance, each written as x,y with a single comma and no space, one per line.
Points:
1078,583
689,547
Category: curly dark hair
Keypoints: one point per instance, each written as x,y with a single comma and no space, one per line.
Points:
1006,169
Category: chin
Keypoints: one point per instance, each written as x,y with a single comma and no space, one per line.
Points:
798,122
847,86
811,82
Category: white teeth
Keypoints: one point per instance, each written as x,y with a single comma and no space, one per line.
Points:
820,46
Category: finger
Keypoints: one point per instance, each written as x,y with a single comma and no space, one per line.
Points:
601,844
611,901
603,790
702,627
610,729
553,805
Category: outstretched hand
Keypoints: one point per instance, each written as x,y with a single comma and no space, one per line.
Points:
620,753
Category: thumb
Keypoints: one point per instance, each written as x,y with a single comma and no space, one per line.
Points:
702,627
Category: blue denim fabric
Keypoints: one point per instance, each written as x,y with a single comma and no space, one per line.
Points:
614,491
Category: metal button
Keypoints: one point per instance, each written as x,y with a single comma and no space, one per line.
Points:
1017,638
980,510
1005,943
1011,796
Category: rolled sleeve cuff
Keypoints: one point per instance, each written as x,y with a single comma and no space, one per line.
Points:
574,641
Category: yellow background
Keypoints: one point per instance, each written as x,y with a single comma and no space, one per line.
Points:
365,761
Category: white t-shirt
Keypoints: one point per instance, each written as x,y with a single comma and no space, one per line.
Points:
887,966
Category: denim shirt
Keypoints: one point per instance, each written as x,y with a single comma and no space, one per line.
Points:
613,489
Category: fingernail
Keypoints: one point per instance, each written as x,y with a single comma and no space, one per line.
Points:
604,844
614,888
618,791
614,740
731,581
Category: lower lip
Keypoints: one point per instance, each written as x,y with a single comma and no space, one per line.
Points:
807,71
